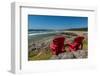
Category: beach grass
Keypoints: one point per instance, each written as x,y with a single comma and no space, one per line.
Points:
40,56
85,45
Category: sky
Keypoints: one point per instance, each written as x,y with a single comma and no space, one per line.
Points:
56,22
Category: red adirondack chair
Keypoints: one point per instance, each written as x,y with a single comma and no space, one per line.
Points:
57,45
77,44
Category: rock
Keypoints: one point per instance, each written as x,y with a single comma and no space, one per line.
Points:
71,55
66,55
80,54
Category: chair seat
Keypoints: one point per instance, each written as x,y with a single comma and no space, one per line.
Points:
57,45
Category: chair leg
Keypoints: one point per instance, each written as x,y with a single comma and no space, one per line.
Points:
81,46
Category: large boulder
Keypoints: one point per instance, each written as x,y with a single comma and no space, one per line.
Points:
66,55
71,55
80,54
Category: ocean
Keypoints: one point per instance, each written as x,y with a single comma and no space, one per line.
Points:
37,35
31,33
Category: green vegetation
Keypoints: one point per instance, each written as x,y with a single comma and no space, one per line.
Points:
40,56
85,45
78,29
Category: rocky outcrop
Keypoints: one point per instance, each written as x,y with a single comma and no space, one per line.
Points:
71,55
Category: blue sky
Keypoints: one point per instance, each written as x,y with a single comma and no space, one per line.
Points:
56,22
